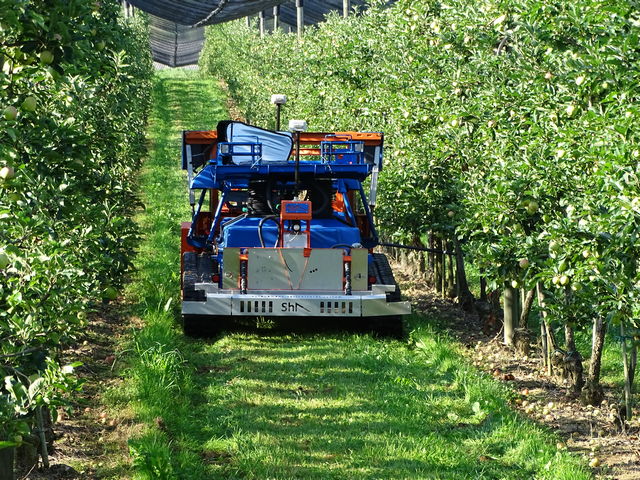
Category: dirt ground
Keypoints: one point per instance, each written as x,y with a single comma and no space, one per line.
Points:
597,433
86,439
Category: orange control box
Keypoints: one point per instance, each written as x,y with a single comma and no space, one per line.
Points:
295,210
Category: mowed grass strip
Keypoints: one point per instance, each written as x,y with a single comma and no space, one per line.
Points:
268,405
318,406
158,384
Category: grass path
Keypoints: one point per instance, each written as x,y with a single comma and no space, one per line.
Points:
328,405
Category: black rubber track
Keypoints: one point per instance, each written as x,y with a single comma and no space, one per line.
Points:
384,275
391,325
197,268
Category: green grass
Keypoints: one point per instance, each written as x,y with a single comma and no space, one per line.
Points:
321,406
269,405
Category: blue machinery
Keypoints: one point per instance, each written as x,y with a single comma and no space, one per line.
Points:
282,226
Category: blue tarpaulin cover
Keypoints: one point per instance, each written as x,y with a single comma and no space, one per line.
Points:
325,233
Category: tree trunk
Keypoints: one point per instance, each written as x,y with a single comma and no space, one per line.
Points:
483,289
569,338
417,256
592,393
431,256
627,377
572,361
522,341
451,281
443,269
510,314
437,265
543,343
634,362
465,297
526,308
7,458
404,262
549,344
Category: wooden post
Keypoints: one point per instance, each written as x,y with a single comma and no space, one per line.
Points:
510,313
276,17
248,18
261,17
300,17
346,7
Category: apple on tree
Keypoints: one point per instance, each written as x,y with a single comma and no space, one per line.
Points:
7,173
46,57
110,293
4,260
532,207
30,103
10,113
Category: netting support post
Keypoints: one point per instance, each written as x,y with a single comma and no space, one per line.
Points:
300,17
261,17
276,17
175,46
346,7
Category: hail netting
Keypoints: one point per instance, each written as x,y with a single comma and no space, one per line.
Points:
177,27
174,45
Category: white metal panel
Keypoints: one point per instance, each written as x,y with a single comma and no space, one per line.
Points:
376,305
216,304
230,267
267,270
359,269
289,269
296,305
282,305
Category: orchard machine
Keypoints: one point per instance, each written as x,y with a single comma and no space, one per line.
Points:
282,227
